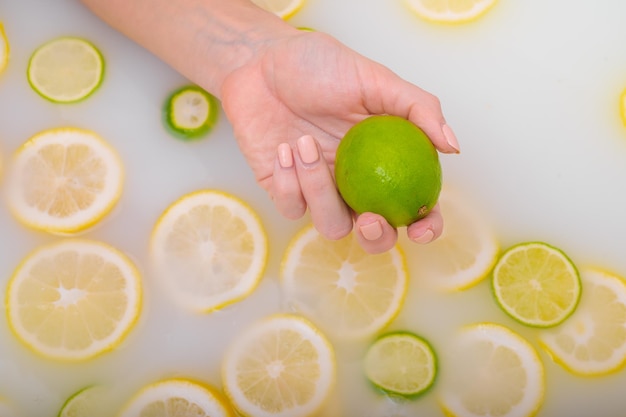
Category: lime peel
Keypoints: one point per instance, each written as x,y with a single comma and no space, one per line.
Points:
401,363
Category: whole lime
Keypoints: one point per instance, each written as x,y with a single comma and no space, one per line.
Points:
387,165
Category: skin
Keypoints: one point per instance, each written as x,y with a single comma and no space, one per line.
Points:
290,96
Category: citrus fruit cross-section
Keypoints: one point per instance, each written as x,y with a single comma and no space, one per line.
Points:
64,180
74,299
209,249
347,292
280,366
66,69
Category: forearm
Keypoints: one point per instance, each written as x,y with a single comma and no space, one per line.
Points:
205,40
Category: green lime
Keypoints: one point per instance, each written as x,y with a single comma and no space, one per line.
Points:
401,363
190,112
536,284
387,165
66,70
87,402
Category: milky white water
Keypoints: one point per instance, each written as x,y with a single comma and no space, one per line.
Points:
531,90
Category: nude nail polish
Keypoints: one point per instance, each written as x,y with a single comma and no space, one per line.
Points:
285,157
426,237
450,138
308,149
372,231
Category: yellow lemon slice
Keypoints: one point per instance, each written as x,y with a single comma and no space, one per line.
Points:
73,299
340,287
593,340
450,11
4,49
281,8
536,284
66,70
209,249
177,398
65,180
401,363
281,366
465,252
492,371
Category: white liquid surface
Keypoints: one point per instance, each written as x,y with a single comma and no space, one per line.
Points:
531,89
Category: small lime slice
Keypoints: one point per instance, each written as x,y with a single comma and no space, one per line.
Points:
66,70
536,284
190,112
401,363
87,402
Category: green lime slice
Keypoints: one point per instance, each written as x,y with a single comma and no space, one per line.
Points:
401,364
190,112
536,284
66,70
87,402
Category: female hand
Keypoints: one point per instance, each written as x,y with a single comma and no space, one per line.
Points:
291,104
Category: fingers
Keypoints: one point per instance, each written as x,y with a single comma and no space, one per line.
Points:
374,234
427,229
286,191
329,213
401,98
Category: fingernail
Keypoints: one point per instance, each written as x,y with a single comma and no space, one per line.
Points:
308,149
451,138
372,231
426,237
285,157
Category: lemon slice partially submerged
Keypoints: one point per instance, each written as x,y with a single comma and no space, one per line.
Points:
65,180
66,69
492,371
465,252
340,287
177,398
536,284
450,11
593,340
281,8
281,366
210,249
73,299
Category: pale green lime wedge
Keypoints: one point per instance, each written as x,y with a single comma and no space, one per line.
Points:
66,69
401,363
190,112
536,284
88,402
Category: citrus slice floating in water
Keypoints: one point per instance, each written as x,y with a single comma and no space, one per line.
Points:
87,402
74,299
593,340
281,8
340,287
190,112
536,284
66,69
177,398
450,11
622,107
210,249
465,252
492,371
281,366
65,180
4,49
401,363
